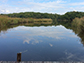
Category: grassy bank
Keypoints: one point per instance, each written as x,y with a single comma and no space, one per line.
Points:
10,22
78,24
5,20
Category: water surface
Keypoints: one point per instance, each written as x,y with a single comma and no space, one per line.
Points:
51,43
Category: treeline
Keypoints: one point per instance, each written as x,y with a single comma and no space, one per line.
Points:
56,18
67,17
36,15
32,15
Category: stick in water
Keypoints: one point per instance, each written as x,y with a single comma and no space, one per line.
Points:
18,57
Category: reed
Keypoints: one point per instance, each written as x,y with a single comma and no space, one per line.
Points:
5,20
78,24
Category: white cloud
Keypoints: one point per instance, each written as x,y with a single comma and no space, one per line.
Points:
5,11
23,51
26,41
33,6
57,33
43,31
73,56
50,44
74,36
58,6
77,4
3,1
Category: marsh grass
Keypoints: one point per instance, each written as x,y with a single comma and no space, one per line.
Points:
5,20
78,24
8,22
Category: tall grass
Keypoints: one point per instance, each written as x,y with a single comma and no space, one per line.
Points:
5,20
8,22
78,24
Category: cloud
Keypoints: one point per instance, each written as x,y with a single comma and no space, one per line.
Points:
32,33
26,41
30,40
23,51
48,6
24,6
50,44
43,7
52,32
3,36
73,56
3,1
5,11
74,36
77,4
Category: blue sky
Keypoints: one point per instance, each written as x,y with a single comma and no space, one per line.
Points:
43,6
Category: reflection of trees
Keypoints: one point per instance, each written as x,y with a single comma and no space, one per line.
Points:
6,27
78,28
81,35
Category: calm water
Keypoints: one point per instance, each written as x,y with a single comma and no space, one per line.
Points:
51,43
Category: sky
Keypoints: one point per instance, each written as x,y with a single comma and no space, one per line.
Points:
43,6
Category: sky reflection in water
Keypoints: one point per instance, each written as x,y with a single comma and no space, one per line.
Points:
52,43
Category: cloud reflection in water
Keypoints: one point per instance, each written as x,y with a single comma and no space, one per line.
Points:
51,41
33,33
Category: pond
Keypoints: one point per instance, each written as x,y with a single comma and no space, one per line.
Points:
43,43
